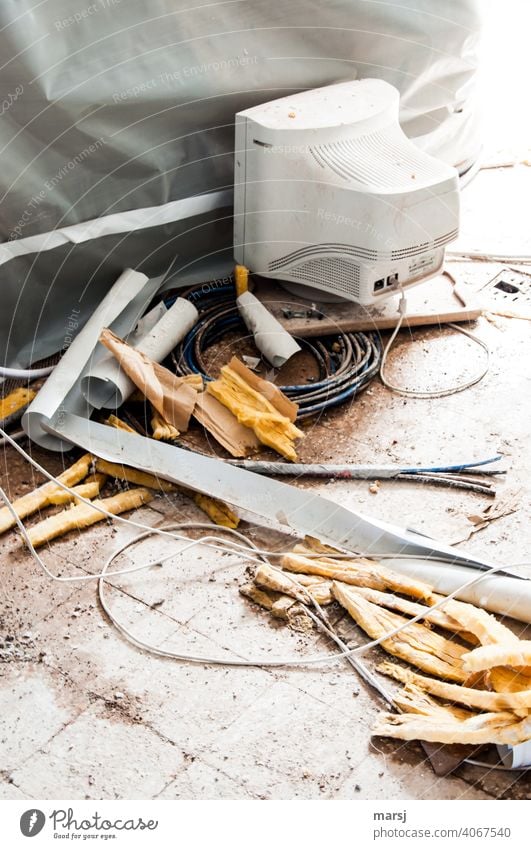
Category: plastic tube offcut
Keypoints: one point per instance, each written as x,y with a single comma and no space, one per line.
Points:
271,339
107,385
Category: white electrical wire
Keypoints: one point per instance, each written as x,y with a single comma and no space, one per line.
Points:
436,393
19,434
246,551
250,552
25,373
235,547
248,555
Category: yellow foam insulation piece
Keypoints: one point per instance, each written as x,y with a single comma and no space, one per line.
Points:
252,409
161,428
241,279
469,696
83,515
281,606
119,424
264,387
413,699
125,473
417,644
16,400
90,488
411,608
218,511
359,572
505,654
506,680
499,728
39,498
480,623
238,440
195,381
274,579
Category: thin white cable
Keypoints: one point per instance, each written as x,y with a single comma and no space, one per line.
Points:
162,532
261,554
221,545
502,767
262,661
436,393
25,373
19,434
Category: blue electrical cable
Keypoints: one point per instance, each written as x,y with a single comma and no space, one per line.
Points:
347,362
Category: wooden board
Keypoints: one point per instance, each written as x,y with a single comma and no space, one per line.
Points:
433,302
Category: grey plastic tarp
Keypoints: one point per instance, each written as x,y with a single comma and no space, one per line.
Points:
121,106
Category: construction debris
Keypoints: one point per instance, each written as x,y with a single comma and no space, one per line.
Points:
83,515
512,653
438,617
469,696
417,643
126,473
14,404
262,410
41,497
216,510
237,439
90,488
510,503
500,728
281,607
357,572
448,705
173,397
299,586
161,428
114,421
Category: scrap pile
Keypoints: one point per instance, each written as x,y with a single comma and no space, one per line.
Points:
86,478
465,676
477,686
241,410
344,363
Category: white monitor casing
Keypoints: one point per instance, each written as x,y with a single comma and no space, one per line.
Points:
330,193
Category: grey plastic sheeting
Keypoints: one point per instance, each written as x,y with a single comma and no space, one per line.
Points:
117,105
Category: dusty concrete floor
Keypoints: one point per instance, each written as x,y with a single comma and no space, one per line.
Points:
84,714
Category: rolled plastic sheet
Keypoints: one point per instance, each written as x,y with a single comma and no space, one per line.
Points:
500,594
120,309
108,366
271,339
516,757
108,386
126,115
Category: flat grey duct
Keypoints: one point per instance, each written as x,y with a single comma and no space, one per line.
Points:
116,128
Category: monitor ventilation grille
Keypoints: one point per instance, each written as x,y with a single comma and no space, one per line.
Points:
330,273
309,252
365,255
424,247
383,159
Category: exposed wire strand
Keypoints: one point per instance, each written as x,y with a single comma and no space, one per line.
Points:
436,393
251,551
